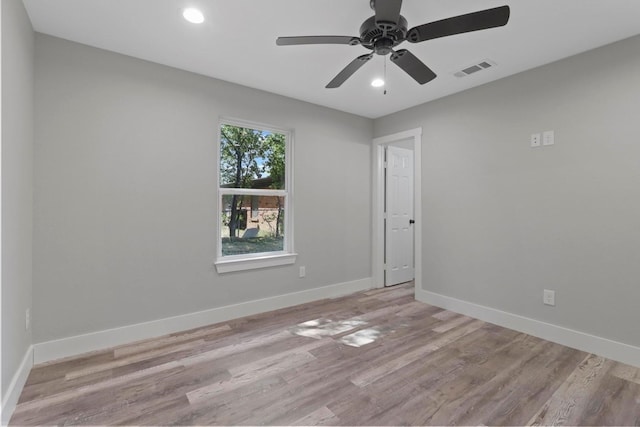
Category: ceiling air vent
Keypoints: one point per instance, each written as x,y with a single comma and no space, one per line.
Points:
467,71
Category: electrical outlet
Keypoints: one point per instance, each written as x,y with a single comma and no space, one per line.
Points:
548,138
303,271
27,319
535,140
549,297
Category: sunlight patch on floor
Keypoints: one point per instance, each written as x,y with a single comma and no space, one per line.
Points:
362,337
319,328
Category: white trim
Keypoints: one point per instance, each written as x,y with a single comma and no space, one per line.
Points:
377,250
252,125
226,265
613,350
251,192
412,133
15,387
101,340
1,222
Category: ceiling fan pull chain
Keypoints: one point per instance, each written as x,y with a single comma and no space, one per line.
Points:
385,74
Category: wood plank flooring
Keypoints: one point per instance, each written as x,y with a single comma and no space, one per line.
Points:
372,358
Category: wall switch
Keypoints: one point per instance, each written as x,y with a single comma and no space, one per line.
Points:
535,140
27,319
549,297
548,138
303,271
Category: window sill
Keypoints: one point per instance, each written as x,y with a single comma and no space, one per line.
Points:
230,265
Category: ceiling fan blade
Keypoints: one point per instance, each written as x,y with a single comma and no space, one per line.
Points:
482,20
348,71
292,41
388,10
413,66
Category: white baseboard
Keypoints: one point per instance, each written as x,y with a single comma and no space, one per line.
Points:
15,387
613,350
72,346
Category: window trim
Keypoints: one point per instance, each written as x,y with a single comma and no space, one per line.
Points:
242,262
273,259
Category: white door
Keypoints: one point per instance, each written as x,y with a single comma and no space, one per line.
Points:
399,216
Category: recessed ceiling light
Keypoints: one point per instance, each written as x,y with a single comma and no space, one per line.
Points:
193,15
377,83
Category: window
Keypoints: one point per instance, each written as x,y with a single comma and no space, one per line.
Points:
254,197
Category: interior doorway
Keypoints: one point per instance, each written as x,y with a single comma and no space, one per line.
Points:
398,214
397,169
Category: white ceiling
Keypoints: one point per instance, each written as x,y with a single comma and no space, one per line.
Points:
237,41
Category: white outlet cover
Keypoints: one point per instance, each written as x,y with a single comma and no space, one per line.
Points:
535,140
548,138
549,297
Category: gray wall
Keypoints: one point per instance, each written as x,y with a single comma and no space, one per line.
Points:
124,226
17,183
503,221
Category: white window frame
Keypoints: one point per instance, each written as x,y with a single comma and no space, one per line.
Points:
242,262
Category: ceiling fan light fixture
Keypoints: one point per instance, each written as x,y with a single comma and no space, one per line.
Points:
377,83
193,15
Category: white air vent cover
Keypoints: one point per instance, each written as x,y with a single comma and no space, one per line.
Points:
471,69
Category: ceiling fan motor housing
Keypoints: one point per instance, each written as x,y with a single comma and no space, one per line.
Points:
382,37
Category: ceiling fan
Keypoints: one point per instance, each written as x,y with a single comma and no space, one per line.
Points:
387,29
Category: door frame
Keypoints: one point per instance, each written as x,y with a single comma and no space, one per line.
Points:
378,236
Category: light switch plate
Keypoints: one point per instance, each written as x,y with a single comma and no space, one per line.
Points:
548,138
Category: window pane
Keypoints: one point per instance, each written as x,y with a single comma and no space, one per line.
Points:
246,233
251,158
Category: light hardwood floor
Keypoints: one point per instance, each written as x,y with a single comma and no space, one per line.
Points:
371,358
